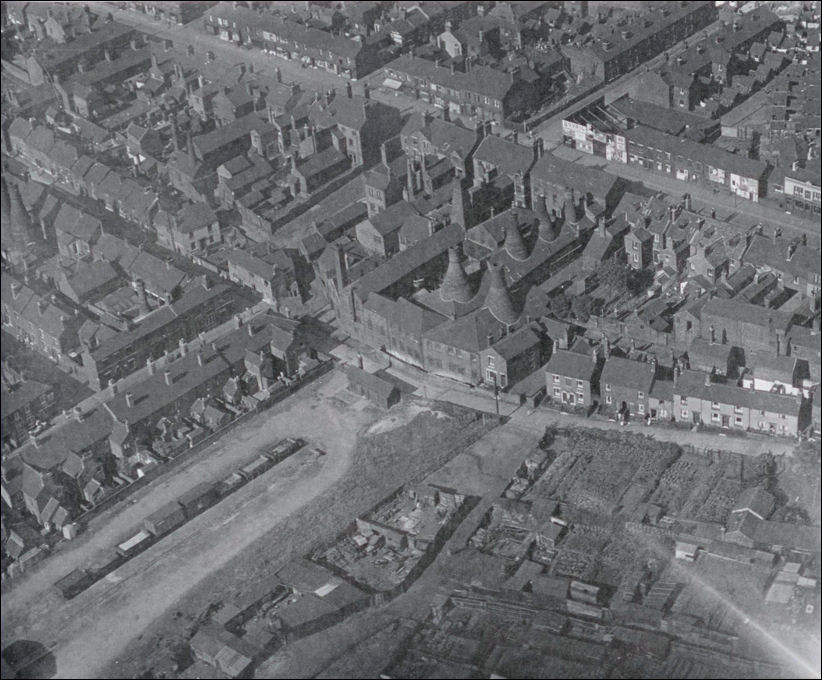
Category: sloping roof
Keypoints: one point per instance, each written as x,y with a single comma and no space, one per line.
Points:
195,216
571,365
756,500
737,310
482,80
559,172
513,345
626,373
509,157
445,137
408,260
393,217
372,383
772,366
692,384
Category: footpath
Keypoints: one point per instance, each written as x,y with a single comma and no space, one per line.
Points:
536,420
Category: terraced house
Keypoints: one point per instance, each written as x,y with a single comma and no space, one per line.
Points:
484,92
569,377
311,46
698,400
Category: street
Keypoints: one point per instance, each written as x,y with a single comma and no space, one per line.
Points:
751,213
194,34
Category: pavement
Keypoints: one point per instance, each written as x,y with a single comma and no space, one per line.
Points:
741,209
435,387
194,34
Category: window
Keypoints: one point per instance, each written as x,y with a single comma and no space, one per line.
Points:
556,391
640,395
608,399
636,257
556,378
738,420
641,408
607,387
714,404
579,383
715,416
491,361
684,413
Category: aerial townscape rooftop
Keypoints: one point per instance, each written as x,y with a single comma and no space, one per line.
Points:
411,339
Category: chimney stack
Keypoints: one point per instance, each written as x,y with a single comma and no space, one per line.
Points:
183,347
129,399
168,378
200,358
250,329
238,321
150,366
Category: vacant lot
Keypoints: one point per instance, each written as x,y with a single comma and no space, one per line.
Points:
120,608
228,547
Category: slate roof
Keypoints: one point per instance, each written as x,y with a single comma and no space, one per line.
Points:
372,383
737,310
513,345
470,333
482,80
692,384
509,157
620,372
444,136
559,172
195,216
771,366
571,365
393,217
408,260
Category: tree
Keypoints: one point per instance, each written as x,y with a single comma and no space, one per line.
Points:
614,275
582,307
639,280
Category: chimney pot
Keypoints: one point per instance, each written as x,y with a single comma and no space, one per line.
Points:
129,399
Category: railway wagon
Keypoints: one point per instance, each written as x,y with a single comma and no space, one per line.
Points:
166,519
199,498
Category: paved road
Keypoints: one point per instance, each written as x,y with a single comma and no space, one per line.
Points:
762,212
434,387
194,34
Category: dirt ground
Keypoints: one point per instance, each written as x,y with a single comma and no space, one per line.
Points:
153,607
363,644
122,607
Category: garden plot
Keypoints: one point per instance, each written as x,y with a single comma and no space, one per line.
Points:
595,469
679,481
